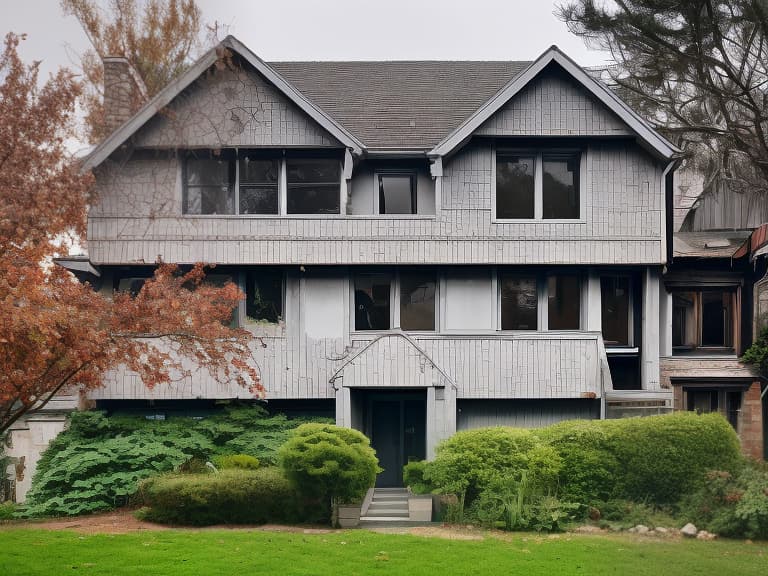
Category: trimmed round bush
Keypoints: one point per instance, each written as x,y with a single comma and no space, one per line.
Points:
229,497
330,462
662,458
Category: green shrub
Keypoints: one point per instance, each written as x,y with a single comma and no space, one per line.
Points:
7,510
241,461
413,477
662,458
97,463
732,504
229,497
467,462
654,460
621,513
330,462
589,468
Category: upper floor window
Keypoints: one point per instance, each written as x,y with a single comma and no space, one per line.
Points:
397,193
703,320
209,185
538,185
260,183
313,186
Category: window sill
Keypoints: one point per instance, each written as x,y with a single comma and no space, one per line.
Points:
307,216
538,221
616,350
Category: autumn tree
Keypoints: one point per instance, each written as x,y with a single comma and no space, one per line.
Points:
698,69
158,37
55,332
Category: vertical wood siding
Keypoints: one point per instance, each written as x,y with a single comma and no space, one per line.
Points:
553,105
523,413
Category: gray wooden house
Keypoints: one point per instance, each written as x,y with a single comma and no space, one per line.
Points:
425,247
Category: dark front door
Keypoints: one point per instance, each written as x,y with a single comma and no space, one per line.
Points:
398,432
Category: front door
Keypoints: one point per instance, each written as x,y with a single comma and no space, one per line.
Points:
397,428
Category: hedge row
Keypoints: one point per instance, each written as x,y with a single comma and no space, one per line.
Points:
655,459
229,497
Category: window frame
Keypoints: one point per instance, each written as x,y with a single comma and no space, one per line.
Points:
630,345
236,155
542,297
698,348
538,153
377,174
242,282
394,302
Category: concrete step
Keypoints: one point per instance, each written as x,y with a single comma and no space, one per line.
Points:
389,496
387,512
388,519
389,503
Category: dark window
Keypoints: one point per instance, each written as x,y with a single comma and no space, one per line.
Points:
314,186
209,186
417,301
560,185
372,311
726,402
219,281
702,319
397,194
131,284
259,181
264,295
519,304
564,302
616,307
515,186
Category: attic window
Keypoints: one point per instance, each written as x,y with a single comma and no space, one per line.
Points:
397,193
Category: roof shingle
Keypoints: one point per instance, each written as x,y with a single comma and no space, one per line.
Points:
399,104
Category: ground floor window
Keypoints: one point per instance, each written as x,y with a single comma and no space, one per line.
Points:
264,290
705,400
405,299
703,319
540,301
616,302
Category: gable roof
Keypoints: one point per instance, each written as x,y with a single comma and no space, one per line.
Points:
174,88
404,105
645,132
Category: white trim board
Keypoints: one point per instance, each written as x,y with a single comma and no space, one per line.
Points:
652,139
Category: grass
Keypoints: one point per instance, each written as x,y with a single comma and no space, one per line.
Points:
211,552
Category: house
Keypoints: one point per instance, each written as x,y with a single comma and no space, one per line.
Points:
715,304
425,247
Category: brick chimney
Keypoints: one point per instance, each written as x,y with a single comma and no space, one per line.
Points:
124,92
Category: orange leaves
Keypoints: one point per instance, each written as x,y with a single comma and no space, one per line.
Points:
56,332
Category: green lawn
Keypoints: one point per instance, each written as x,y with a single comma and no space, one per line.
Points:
210,552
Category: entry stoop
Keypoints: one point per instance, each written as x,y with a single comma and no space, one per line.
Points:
388,507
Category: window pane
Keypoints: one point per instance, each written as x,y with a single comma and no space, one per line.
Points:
314,186
514,186
684,320
716,319
313,199
264,295
397,194
259,171
614,292
560,186
564,302
519,304
372,302
208,172
209,186
258,199
417,301
313,171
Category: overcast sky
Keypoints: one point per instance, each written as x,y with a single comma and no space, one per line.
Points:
338,29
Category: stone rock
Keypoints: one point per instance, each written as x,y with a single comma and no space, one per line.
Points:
689,530
662,530
642,529
704,535
633,529
588,529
